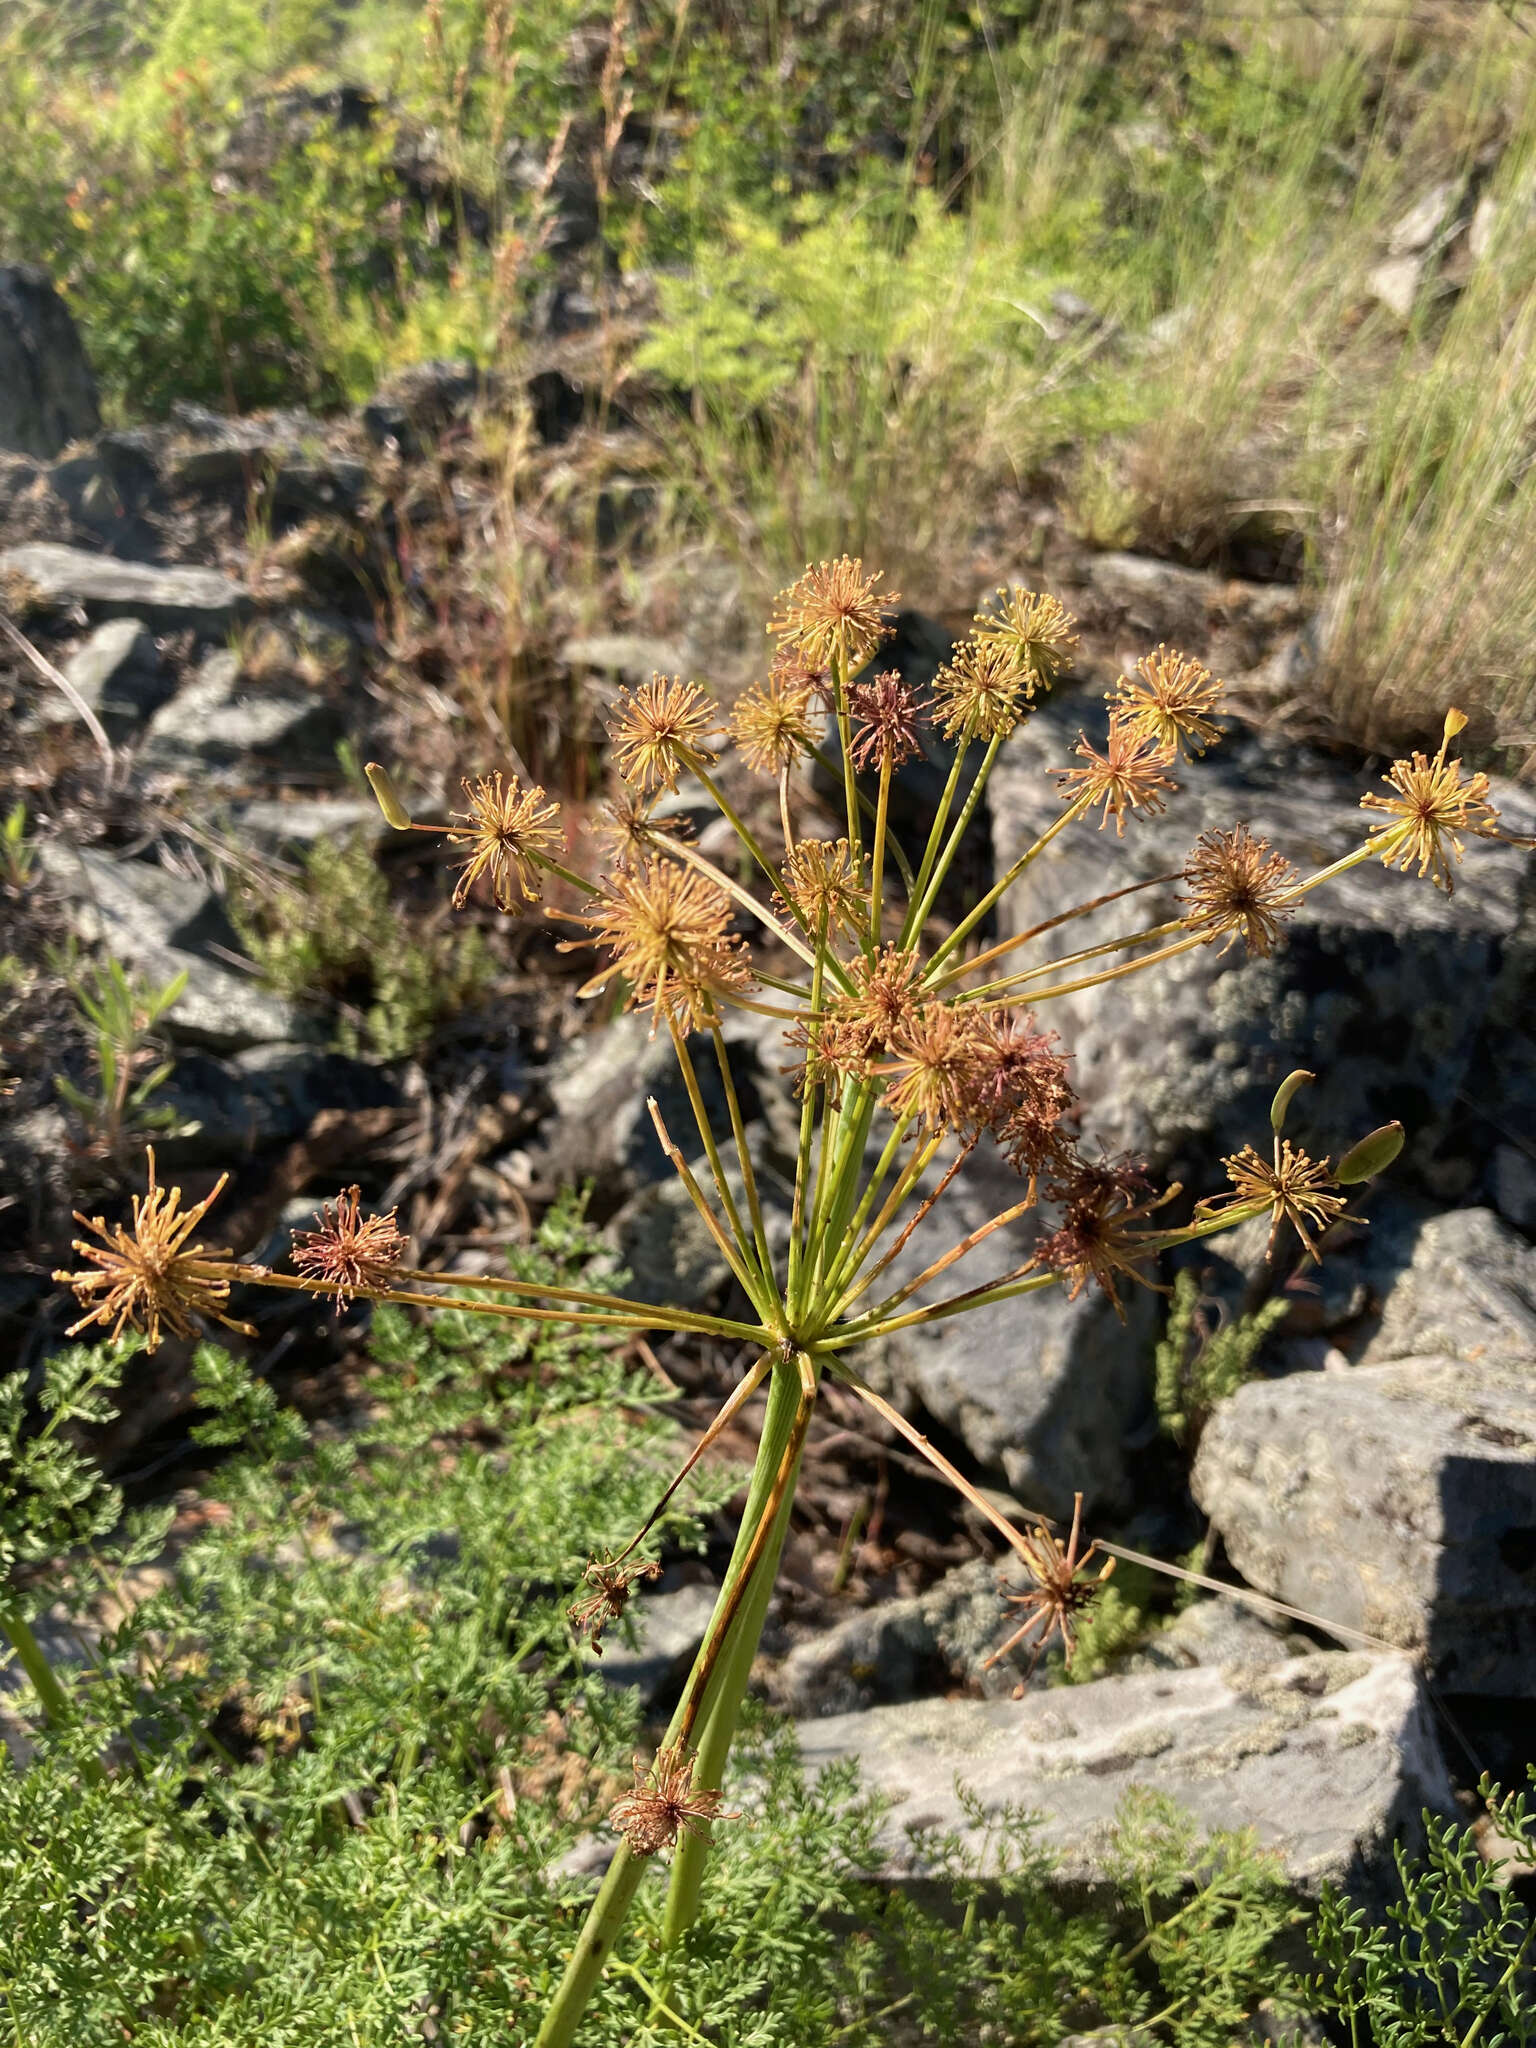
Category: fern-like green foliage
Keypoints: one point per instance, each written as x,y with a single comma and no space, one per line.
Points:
1454,1961
337,936
1195,1371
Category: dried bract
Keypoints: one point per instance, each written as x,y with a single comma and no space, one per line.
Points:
149,1275
832,612
774,723
1036,626
928,1075
1433,803
667,930
664,1804
1238,888
1167,701
611,1586
351,1253
1127,776
1095,1240
1292,1186
1018,1090
660,729
886,715
509,831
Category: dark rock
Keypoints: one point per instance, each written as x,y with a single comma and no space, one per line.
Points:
226,719
118,672
1396,1006
1330,1758
47,393
266,1095
30,509
1396,1499
415,407
51,577
280,462
1514,1187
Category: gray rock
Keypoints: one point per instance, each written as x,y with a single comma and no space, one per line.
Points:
630,656
154,922
224,719
292,824
669,1251
1424,220
1396,282
47,392
1220,1633
166,598
265,1095
1039,1388
1468,1292
1330,1758
1395,1005
118,672
1396,1499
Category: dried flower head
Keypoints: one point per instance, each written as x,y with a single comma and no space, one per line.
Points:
1096,1240
774,723
628,829
1127,776
668,932
884,1000
1036,626
1018,1090
611,1585
1293,1187
149,1276
833,612
510,830
350,1252
664,1804
660,729
1167,702
823,882
980,691
928,1075
1058,1595
1238,886
1433,803
887,715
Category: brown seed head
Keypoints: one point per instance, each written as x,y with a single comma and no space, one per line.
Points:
887,714
1058,1595
1291,1186
1127,776
350,1252
1432,803
981,690
1034,625
664,1804
774,723
883,1002
829,889
611,1586
1167,702
833,611
1238,886
660,729
1096,1239
1018,1090
509,830
928,1075
667,930
149,1276
628,830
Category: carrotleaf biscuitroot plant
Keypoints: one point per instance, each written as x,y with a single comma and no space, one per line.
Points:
912,1049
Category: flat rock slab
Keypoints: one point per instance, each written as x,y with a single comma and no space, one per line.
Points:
105,588
1398,1499
1328,1757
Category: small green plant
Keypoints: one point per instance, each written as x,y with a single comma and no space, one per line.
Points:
336,936
122,1013
1454,1962
17,854
913,1053
1196,1368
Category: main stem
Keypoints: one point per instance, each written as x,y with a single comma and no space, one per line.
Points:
725,1685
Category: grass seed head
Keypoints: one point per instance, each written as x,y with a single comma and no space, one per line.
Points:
1167,701
1035,626
774,723
509,830
1096,1239
982,689
150,1276
932,1058
1293,1187
1018,1090
661,728
1238,888
1127,776
824,883
1432,803
664,1804
667,931
611,1587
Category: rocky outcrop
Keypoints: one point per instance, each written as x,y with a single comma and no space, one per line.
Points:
1331,1759
44,576
47,392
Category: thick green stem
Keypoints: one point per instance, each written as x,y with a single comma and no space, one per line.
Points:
29,1655
600,1931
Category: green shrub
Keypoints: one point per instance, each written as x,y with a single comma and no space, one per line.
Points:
1196,1369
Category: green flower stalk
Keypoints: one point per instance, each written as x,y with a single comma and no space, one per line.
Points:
909,1058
